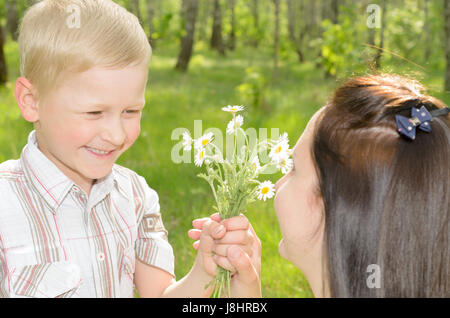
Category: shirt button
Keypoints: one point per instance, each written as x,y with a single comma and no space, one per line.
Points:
101,257
75,189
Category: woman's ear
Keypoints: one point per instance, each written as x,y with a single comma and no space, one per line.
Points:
25,96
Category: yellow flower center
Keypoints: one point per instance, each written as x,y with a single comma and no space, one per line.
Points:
265,190
254,166
201,155
278,150
205,142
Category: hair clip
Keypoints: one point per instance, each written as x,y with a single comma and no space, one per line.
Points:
419,118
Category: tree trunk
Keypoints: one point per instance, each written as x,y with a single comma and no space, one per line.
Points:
216,37
335,11
151,17
383,26
330,10
12,22
190,11
312,18
254,7
203,18
371,29
232,38
426,30
276,40
3,66
447,43
135,9
292,18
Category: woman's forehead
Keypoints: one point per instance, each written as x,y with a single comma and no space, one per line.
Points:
306,136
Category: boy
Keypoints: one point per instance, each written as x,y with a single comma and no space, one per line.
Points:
73,223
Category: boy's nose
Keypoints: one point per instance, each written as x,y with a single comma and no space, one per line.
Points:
114,133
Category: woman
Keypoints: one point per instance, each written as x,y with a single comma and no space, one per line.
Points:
365,210
361,194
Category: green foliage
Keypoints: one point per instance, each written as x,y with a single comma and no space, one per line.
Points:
252,90
342,44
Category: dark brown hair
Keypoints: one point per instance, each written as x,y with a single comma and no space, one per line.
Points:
386,198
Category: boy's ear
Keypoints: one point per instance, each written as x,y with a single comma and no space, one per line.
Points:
26,99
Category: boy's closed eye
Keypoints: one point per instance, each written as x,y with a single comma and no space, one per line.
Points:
132,111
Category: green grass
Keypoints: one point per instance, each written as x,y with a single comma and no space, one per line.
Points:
175,100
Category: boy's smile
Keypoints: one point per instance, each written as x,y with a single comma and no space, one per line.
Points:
90,120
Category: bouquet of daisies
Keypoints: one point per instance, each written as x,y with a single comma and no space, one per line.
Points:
233,181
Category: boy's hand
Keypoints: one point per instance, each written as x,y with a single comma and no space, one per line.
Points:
235,247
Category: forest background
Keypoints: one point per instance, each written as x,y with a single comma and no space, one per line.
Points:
280,58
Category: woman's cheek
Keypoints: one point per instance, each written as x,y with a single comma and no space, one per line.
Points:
282,204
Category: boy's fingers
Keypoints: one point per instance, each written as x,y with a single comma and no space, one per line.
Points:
194,234
205,248
198,223
211,231
214,230
216,217
196,245
236,237
236,223
244,267
224,263
222,249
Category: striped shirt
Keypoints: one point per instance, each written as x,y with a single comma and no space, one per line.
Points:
57,242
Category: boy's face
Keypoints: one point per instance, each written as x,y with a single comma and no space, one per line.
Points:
96,110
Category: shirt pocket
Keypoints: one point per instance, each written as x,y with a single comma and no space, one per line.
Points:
49,280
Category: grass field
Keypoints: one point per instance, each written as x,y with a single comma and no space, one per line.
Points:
175,100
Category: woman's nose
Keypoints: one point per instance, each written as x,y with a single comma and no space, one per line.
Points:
279,183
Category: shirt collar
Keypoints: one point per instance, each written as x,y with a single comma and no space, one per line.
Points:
51,183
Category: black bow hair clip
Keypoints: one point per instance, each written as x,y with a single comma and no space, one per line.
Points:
419,118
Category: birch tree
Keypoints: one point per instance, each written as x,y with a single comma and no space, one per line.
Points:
189,13
447,43
3,67
276,39
216,37
296,32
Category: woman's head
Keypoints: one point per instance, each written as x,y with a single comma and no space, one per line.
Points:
377,197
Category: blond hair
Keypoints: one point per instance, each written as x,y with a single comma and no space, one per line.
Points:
60,36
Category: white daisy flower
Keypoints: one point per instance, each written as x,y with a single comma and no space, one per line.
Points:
283,138
266,190
233,109
256,166
187,141
200,157
203,140
285,165
279,151
234,124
